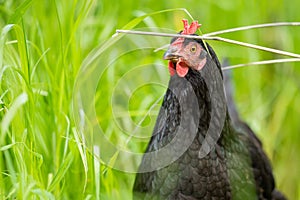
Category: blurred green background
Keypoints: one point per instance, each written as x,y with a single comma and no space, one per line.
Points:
41,151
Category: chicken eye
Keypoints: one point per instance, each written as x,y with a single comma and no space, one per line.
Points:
193,49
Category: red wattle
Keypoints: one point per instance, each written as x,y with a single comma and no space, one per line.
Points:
181,68
171,68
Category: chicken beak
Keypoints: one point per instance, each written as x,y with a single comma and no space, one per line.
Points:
171,54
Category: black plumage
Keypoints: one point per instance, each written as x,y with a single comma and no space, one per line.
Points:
232,165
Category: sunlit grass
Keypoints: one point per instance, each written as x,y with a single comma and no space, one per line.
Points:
43,154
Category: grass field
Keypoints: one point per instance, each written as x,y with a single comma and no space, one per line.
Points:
50,51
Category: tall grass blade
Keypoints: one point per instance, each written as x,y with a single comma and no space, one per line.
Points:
64,167
19,12
8,117
81,149
97,174
21,47
6,147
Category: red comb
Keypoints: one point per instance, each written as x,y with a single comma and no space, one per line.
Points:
190,29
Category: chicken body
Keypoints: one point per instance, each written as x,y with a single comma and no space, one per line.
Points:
233,167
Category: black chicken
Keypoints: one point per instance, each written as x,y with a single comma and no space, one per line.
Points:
196,152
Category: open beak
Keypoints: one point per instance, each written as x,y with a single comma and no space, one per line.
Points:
172,55
176,62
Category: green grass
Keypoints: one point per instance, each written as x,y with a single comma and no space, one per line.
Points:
43,45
